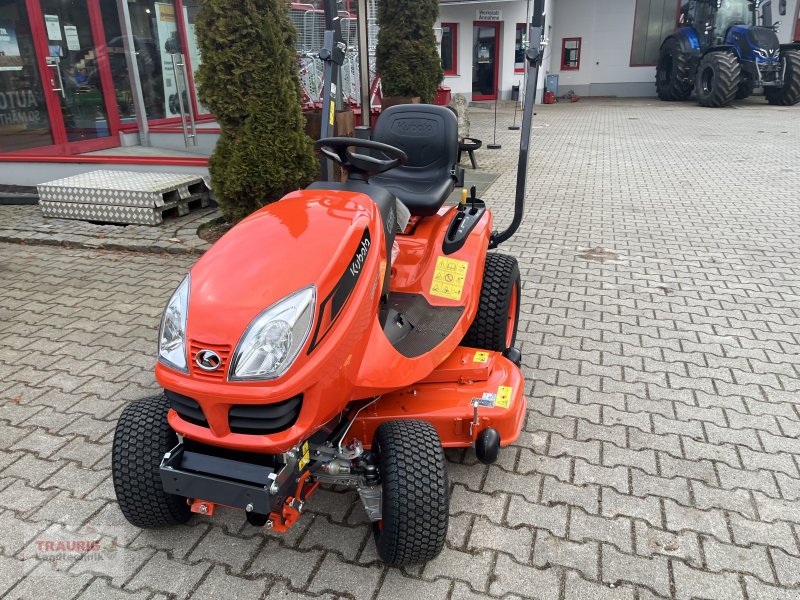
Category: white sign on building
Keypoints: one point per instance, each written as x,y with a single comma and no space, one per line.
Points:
486,14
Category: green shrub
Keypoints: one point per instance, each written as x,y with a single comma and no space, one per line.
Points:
248,80
407,55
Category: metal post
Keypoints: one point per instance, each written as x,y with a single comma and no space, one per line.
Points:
133,72
363,62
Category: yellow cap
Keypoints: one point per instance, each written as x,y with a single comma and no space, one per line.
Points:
463,196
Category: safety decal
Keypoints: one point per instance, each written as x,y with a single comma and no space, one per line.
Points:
305,458
333,112
481,357
448,278
504,393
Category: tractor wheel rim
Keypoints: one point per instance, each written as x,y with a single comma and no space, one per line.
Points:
708,80
512,316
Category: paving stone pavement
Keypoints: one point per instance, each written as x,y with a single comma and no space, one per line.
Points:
661,338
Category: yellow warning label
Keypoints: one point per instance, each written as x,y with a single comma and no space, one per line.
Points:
448,278
504,396
304,460
333,111
481,357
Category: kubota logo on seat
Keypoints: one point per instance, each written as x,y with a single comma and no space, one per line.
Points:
208,360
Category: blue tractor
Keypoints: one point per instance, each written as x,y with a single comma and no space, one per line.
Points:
722,53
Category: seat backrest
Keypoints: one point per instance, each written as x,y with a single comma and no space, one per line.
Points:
428,134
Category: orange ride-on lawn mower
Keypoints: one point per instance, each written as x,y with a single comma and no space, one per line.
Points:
332,337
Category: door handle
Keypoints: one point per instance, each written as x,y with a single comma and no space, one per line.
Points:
52,63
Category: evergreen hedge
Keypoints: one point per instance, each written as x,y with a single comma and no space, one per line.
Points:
407,56
248,80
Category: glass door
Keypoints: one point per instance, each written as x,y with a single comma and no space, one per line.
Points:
190,10
485,42
76,75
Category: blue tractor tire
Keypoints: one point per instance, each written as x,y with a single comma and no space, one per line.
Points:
789,94
718,78
672,72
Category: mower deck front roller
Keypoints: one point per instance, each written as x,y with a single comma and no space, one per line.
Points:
415,497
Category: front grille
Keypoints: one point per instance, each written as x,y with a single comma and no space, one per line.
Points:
262,419
187,408
224,353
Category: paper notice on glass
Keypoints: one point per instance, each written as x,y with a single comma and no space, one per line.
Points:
10,59
71,33
53,27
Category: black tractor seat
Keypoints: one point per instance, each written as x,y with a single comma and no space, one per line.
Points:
428,134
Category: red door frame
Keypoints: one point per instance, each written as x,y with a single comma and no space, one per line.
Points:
497,50
41,49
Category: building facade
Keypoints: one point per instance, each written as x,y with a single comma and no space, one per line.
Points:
86,81
596,47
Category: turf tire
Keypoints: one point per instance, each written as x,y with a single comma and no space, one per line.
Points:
718,78
415,500
789,94
672,72
501,280
141,438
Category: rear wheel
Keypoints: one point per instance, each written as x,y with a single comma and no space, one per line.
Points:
718,78
415,502
140,441
672,72
495,325
789,94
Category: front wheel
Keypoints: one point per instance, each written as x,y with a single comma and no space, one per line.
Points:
415,497
495,325
718,78
141,439
789,94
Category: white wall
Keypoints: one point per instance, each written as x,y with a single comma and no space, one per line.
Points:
606,27
465,14
788,22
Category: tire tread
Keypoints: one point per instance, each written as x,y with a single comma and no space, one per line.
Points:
415,492
141,438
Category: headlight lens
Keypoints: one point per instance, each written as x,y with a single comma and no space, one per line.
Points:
172,335
273,340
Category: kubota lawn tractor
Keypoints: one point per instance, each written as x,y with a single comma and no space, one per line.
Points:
342,335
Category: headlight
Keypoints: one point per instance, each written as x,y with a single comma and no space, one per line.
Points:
761,53
273,340
172,335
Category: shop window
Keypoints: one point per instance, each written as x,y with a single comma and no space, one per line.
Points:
24,121
450,48
519,48
571,54
654,20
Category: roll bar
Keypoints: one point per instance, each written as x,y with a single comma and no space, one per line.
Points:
533,57
332,55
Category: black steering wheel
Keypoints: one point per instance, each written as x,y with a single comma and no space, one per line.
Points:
338,150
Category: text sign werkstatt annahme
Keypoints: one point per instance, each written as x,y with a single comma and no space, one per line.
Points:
485,14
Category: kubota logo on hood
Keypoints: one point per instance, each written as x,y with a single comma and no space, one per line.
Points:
360,257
